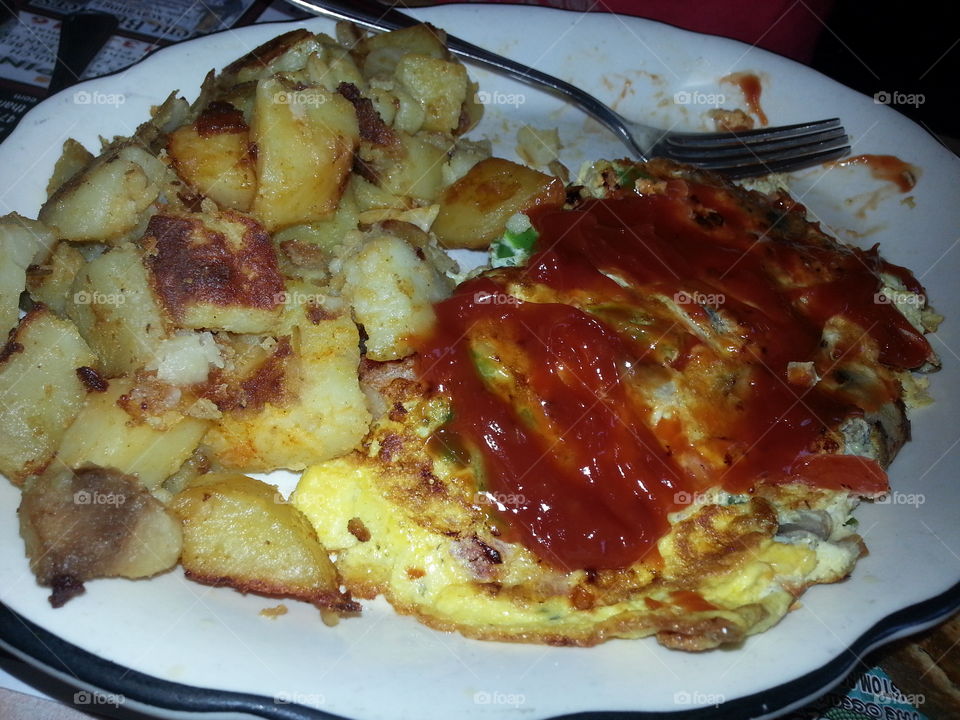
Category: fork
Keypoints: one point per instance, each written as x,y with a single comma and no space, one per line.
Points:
734,154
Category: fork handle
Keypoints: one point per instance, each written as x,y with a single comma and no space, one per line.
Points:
379,17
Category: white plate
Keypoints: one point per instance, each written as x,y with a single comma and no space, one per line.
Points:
385,666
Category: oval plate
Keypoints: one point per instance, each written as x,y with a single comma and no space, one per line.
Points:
385,666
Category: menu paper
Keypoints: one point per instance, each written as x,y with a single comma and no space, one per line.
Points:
868,695
29,41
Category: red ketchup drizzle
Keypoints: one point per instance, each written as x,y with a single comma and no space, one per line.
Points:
596,477
889,168
751,88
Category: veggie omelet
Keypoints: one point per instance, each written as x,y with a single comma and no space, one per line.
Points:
660,424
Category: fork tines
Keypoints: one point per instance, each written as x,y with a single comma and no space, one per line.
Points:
760,151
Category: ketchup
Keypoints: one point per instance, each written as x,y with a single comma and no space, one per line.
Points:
749,84
889,168
558,398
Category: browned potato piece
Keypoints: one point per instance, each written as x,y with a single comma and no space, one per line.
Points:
315,409
94,522
440,86
104,434
305,143
256,371
305,251
164,119
380,53
108,198
391,289
284,52
472,111
213,156
113,303
475,209
71,161
23,242
41,389
411,166
50,283
218,272
333,65
241,533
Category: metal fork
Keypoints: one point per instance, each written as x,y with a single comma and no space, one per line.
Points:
734,154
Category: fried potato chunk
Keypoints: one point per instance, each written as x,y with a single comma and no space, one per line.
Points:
241,533
74,158
380,53
325,415
214,156
23,242
305,143
107,199
391,290
50,282
411,165
104,434
284,52
214,271
41,390
91,523
475,209
114,305
333,65
440,86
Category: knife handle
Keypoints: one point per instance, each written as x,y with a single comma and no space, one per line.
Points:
82,35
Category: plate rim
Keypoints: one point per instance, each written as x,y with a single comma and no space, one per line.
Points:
25,639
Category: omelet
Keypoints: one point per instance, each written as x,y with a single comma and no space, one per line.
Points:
660,424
